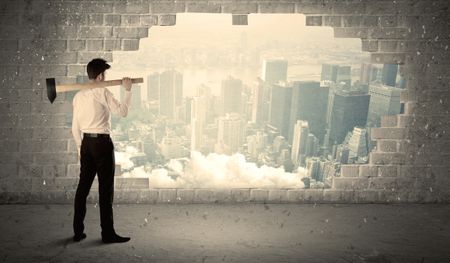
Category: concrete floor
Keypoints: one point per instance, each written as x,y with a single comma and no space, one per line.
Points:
231,233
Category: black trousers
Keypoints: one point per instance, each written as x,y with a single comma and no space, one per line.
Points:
96,157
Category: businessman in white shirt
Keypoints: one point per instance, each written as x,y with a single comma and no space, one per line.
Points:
91,128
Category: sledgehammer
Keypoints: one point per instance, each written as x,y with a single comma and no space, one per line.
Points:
53,89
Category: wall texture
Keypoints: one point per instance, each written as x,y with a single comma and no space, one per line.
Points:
56,38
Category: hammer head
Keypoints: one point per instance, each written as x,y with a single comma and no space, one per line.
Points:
51,89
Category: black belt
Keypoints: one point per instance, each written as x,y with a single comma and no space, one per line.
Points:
96,135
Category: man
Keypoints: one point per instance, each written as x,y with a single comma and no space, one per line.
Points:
91,126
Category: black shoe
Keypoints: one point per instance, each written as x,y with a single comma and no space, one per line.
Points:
78,238
115,239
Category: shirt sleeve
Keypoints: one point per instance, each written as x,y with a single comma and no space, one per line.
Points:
76,132
116,107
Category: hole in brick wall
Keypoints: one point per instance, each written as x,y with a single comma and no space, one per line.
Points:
198,122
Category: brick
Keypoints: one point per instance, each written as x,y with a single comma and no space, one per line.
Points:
185,195
33,170
388,170
349,170
94,45
344,8
239,20
259,195
52,158
168,8
56,170
388,133
388,33
149,20
130,20
370,21
313,195
95,31
8,171
388,21
333,21
276,8
277,195
130,32
95,19
387,145
85,57
240,195
349,183
52,184
313,8
135,7
388,46
240,8
9,44
389,121
212,195
295,195
369,45
112,20
338,196
96,7
167,20
76,45
366,196
391,183
352,21
130,183
167,195
75,70
314,20
386,158
130,44
73,170
199,7
148,196
351,32
113,44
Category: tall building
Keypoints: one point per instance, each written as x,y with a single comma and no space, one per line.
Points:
366,73
384,100
301,131
153,86
280,107
349,109
231,96
198,122
309,103
258,102
389,74
274,70
136,97
357,145
230,135
344,75
170,92
313,168
329,72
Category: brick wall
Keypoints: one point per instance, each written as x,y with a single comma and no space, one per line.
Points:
51,38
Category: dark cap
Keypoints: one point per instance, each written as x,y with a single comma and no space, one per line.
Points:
96,67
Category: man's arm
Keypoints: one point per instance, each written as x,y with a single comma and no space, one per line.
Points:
114,105
76,132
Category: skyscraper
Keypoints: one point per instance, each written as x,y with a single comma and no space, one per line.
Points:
280,107
230,132
170,92
389,74
309,103
384,100
329,72
344,75
366,73
198,122
136,97
301,131
358,143
153,86
349,109
274,70
231,96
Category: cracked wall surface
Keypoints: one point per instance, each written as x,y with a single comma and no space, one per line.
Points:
46,38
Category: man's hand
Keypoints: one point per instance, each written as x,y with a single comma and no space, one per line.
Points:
126,82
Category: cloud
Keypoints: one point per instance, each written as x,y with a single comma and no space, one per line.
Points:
219,171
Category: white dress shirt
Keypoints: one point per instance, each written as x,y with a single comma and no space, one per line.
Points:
92,110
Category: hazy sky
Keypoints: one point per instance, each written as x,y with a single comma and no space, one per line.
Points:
203,30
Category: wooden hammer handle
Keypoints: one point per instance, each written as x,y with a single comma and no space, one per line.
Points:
91,85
